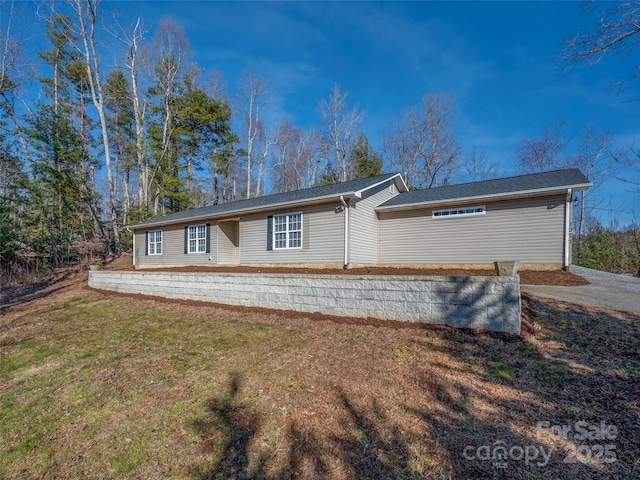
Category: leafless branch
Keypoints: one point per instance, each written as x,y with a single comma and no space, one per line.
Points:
341,124
614,31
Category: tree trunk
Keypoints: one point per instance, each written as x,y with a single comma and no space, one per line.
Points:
143,167
54,251
97,97
581,225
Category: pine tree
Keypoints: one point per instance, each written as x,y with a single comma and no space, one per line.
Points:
366,162
58,183
12,238
204,136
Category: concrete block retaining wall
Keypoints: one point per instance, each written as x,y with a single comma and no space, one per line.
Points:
491,303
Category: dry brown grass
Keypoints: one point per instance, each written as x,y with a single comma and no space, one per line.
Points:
98,385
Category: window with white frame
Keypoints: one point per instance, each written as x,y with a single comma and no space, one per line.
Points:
458,212
154,242
287,231
197,239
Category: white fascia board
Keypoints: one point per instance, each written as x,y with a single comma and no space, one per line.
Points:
397,175
235,213
499,196
404,184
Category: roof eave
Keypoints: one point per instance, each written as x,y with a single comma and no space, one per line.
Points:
358,193
500,196
232,213
235,213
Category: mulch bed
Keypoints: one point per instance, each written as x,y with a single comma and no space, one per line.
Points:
527,277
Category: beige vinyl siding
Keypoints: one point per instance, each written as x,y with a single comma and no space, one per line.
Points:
173,247
527,230
228,242
322,237
363,223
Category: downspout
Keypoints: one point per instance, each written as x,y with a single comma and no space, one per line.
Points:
567,231
133,236
346,232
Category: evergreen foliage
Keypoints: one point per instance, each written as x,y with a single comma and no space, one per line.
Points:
611,250
366,161
118,136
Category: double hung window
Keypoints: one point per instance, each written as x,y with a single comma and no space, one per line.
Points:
197,239
287,231
154,242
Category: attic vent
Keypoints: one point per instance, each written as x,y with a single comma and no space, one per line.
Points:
392,186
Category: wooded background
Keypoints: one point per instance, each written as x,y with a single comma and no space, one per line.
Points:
102,147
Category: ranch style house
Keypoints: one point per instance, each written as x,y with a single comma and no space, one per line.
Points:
376,221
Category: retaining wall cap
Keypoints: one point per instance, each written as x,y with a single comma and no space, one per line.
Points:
323,276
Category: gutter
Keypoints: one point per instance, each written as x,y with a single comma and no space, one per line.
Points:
567,231
497,196
345,204
234,213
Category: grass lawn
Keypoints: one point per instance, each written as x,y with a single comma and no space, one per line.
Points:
99,385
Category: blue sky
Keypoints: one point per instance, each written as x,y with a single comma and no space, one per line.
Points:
497,60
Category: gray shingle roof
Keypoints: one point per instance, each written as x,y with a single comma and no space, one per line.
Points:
536,182
307,194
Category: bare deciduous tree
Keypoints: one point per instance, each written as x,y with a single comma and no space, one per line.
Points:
297,158
132,38
87,15
266,143
598,158
15,70
216,86
396,145
423,146
254,96
544,153
615,30
341,125
479,167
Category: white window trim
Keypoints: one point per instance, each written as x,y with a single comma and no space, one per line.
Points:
155,242
195,227
273,232
459,212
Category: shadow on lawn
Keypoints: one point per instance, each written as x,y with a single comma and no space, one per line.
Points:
572,365
228,432
23,293
369,447
477,411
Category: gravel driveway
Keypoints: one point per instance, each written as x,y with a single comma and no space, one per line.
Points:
620,292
